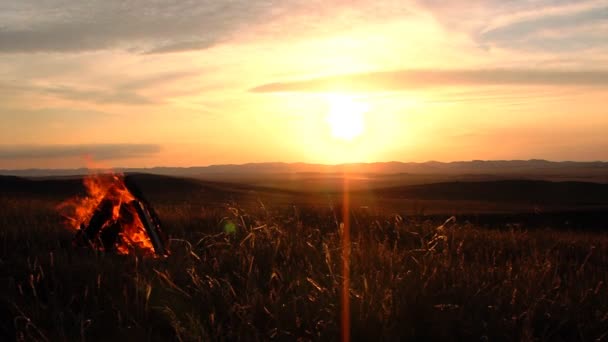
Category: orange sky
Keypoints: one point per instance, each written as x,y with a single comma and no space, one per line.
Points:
208,82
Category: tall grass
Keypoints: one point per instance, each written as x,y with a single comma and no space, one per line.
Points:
274,273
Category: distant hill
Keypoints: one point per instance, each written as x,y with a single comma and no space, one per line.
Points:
171,189
46,186
534,169
159,186
526,191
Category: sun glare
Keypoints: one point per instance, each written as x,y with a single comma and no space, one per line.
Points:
346,117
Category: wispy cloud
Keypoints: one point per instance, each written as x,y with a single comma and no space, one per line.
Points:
164,26
125,93
95,151
182,25
417,79
528,12
543,25
552,32
33,26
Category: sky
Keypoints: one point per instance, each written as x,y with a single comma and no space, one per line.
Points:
105,83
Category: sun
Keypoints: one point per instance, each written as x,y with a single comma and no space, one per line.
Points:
346,117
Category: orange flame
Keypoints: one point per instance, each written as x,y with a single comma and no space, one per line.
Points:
109,187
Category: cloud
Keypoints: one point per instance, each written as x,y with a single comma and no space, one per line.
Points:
126,93
182,25
118,95
561,31
73,26
164,26
95,151
416,79
542,25
181,46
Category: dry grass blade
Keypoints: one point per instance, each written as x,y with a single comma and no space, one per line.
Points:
167,280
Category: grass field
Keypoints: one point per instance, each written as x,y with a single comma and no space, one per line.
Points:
258,270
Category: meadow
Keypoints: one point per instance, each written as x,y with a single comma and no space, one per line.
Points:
258,270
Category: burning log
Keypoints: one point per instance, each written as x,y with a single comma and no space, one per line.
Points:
151,225
148,217
116,218
101,216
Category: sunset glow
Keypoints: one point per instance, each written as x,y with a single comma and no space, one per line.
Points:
522,74
292,170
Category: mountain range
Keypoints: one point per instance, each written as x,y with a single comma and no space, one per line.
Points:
594,171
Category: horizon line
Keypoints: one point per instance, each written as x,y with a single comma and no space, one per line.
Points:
305,163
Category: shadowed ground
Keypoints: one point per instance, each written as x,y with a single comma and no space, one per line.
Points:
259,263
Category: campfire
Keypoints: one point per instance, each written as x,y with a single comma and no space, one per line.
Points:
113,217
